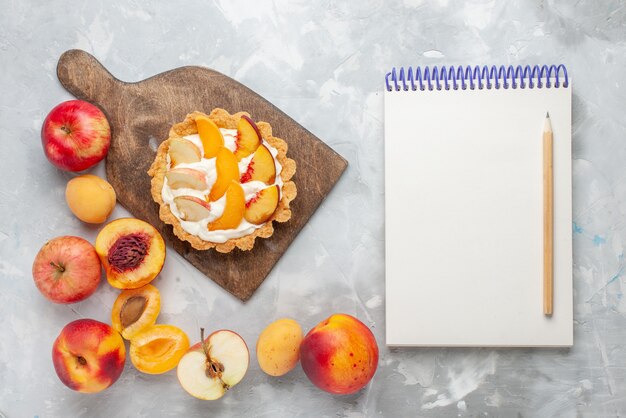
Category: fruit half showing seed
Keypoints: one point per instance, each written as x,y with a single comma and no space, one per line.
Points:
135,310
214,365
132,252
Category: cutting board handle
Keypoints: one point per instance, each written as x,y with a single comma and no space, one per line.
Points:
82,75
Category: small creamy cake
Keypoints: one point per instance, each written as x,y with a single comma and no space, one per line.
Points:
221,180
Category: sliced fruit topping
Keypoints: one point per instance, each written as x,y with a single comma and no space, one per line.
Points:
213,366
261,167
158,349
262,206
233,210
227,171
136,309
132,252
191,208
189,178
183,151
210,135
248,137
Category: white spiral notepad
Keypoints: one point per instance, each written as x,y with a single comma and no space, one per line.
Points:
464,206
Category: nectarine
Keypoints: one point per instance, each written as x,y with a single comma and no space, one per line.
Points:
339,355
88,355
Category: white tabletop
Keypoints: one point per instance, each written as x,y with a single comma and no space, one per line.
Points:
323,63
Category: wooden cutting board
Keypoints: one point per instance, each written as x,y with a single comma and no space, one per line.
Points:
141,115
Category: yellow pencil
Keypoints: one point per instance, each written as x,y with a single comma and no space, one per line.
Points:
548,219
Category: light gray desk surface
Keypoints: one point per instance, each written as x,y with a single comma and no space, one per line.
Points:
323,63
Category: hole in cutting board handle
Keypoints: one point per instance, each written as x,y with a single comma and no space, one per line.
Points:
83,76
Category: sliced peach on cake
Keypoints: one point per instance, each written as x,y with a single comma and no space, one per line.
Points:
248,137
210,135
135,309
182,151
262,206
188,178
227,171
158,349
233,210
191,208
261,167
132,252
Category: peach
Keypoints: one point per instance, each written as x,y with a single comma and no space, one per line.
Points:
248,137
90,198
233,210
132,252
158,348
278,347
339,355
135,310
88,355
227,171
262,206
261,167
210,135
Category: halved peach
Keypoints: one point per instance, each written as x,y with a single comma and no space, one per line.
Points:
248,137
210,135
135,309
158,349
233,210
182,151
191,208
189,178
262,206
261,167
227,171
132,252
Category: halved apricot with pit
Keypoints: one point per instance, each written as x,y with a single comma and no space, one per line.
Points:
158,349
136,309
132,252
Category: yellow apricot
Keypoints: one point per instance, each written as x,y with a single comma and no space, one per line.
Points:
90,198
135,310
278,347
158,349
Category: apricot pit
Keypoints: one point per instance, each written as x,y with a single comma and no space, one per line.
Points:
136,309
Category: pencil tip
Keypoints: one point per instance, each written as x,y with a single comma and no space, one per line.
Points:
547,126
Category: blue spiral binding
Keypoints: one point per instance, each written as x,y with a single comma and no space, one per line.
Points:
438,78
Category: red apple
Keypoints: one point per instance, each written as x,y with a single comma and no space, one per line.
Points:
75,135
67,269
88,355
339,355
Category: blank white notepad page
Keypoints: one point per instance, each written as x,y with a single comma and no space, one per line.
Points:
464,217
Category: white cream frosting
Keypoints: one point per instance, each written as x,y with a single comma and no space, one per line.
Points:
207,166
